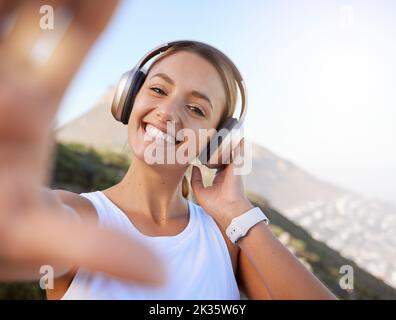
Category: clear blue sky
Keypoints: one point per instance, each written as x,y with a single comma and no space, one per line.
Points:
320,76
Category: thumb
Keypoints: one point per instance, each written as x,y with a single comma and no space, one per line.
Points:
196,180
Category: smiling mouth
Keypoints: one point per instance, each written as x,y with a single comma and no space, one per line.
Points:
158,134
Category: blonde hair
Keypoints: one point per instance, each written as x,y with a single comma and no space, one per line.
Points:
226,74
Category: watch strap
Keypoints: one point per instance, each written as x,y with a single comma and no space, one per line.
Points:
240,225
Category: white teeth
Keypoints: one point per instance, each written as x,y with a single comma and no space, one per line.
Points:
158,134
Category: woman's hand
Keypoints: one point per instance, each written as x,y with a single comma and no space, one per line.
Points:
225,199
34,232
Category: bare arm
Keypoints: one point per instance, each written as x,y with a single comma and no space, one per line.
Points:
250,280
284,276
54,233
269,269
35,227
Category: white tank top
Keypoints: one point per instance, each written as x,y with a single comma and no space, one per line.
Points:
197,260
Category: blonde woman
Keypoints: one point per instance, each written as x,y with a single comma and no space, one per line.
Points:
191,86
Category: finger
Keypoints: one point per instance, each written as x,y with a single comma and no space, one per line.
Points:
220,175
238,154
90,18
25,132
49,241
196,180
7,6
54,56
242,143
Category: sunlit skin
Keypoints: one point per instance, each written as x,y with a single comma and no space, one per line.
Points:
35,229
155,190
168,95
151,196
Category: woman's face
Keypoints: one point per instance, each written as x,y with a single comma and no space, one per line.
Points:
184,90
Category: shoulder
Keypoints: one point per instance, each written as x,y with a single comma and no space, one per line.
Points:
83,206
86,210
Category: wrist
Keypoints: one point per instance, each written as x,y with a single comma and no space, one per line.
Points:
235,210
241,225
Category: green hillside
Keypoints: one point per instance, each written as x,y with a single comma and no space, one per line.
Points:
81,169
324,261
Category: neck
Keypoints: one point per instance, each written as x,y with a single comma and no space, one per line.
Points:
154,191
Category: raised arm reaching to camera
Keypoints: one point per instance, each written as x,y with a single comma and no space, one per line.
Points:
35,226
266,267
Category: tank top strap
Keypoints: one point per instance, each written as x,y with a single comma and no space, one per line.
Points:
105,217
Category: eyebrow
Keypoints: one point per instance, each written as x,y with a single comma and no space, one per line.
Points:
203,96
194,93
165,77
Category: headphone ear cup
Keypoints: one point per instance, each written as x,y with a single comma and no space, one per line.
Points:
222,142
133,89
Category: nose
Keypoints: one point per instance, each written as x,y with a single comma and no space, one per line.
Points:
165,116
167,112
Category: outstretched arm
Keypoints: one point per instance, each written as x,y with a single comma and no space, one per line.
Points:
33,230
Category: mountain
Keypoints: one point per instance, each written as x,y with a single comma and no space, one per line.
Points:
284,184
361,229
97,128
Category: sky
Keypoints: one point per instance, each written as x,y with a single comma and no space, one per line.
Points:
320,76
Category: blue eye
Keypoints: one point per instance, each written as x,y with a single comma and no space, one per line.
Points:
196,110
158,90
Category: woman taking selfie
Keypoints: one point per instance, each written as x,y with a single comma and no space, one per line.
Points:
192,86
153,243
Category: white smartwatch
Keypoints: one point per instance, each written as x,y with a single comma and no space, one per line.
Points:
240,225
